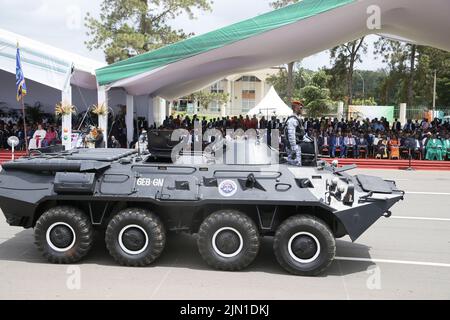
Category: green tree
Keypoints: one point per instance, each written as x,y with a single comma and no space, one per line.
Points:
317,96
411,73
290,66
372,81
130,27
401,58
337,81
431,60
221,97
205,98
34,114
301,77
344,57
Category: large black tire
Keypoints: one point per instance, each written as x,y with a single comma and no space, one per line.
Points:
304,245
234,233
64,235
135,237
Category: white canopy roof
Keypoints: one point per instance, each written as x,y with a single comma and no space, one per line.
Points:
424,22
46,64
271,105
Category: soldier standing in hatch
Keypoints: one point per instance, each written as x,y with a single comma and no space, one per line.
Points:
294,132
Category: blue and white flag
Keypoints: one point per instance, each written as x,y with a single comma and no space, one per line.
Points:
20,79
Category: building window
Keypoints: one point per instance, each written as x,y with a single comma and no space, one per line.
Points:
182,105
248,92
217,87
248,104
214,107
249,79
248,87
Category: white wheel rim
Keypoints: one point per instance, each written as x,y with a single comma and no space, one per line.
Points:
292,254
122,246
50,243
220,253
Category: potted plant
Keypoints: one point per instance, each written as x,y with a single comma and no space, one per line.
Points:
100,109
65,110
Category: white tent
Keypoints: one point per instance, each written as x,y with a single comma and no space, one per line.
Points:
271,105
47,65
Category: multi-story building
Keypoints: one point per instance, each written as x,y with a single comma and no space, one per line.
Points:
245,90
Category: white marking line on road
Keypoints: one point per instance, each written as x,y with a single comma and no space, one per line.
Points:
417,263
420,218
164,278
429,193
347,295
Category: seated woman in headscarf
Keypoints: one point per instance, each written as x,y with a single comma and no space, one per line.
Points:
91,138
394,148
50,137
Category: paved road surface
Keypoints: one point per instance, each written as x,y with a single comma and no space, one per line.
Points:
405,257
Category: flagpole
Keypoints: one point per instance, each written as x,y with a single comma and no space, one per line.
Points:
23,106
24,124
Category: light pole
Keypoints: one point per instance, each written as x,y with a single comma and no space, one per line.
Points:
434,95
364,87
267,112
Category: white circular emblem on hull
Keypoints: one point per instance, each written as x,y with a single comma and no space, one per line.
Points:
228,188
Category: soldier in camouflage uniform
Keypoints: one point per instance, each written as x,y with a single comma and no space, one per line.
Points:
294,132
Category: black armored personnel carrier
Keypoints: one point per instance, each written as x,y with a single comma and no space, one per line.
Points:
65,196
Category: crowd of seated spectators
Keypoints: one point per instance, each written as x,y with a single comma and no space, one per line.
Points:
39,135
234,123
382,140
375,138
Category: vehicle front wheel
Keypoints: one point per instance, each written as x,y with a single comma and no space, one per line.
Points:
64,235
135,237
228,240
304,245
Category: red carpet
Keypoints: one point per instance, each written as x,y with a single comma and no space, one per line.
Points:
394,164
6,156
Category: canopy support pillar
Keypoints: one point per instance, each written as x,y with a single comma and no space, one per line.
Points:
156,111
129,119
66,98
340,112
227,106
402,113
102,97
231,92
169,108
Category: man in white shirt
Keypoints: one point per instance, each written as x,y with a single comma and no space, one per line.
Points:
38,137
350,144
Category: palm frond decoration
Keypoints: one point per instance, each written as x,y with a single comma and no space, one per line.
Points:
64,109
100,109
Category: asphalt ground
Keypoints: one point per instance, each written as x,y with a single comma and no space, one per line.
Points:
404,257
